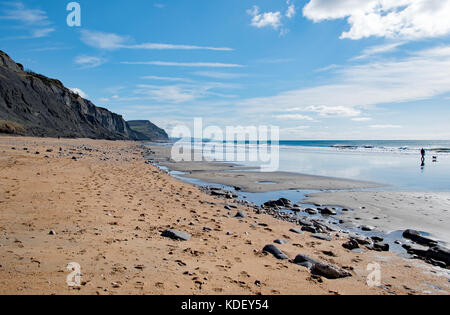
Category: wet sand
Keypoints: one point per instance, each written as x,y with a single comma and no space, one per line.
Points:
108,208
250,179
391,211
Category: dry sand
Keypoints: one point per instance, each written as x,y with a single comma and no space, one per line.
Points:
108,209
426,212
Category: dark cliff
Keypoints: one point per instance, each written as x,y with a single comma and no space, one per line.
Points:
146,130
34,105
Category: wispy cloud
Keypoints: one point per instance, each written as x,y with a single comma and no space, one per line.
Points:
219,75
385,126
379,49
294,117
362,119
35,21
89,61
421,75
184,64
171,79
111,41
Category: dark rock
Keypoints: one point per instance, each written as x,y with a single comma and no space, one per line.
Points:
329,271
52,232
351,244
419,239
439,253
377,238
310,229
327,211
311,211
280,241
366,228
275,251
176,235
296,230
304,261
240,214
322,237
282,202
380,247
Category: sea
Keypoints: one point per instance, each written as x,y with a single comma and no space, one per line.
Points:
394,163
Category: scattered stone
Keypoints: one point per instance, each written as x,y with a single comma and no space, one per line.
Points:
419,239
280,241
282,202
367,228
351,244
377,238
176,235
275,251
310,229
207,229
329,271
304,261
322,237
311,211
296,230
380,247
240,214
327,211
52,232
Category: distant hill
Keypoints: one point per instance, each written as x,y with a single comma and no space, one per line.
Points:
32,104
145,130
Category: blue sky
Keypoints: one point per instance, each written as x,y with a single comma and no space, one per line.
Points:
319,69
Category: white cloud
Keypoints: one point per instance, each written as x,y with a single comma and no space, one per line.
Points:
35,21
184,64
172,79
267,19
79,92
291,11
385,126
422,75
219,75
379,49
407,19
111,41
19,12
362,119
89,61
294,117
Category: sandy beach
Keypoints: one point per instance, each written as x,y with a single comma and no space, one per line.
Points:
99,204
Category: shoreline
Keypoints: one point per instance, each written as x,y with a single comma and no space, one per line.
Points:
369,211
98,203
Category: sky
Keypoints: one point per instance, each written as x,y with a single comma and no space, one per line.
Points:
318,69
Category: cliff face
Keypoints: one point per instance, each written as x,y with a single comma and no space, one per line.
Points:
146,130
44,107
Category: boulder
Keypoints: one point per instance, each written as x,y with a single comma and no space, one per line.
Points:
275,251
415,236
329,271
176,235
322,237
304,261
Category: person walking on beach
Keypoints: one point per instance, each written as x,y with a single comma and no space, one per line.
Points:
422,153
